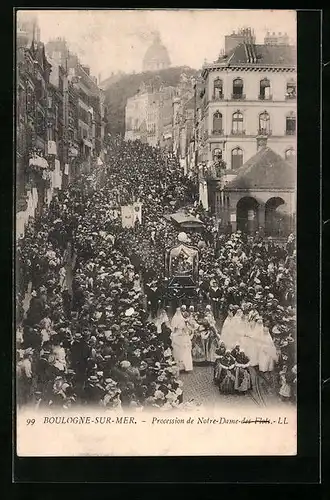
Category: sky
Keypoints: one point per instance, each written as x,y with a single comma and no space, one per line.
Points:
116,40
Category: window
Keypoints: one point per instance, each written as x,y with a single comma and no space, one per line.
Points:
238,89
291,90
237,123
264,123
217,123
218,89
264,89
217,154
290,154
236,158
290,128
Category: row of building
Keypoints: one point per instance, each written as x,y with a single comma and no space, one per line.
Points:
60,118
238,114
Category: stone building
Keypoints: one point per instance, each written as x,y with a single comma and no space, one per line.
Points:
32,78
90,101
262,196
149,115
247,103
156,56
249,95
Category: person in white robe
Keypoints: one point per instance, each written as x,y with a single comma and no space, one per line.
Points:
226,333
162,318
267,352
192,323
237,331
181,341
252,340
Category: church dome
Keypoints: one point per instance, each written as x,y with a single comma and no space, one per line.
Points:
156,56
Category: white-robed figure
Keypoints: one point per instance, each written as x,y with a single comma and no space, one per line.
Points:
267,352
192,324
252,339
236,331
227,331
162,318
181,341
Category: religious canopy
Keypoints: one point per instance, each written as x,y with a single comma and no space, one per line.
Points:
185,220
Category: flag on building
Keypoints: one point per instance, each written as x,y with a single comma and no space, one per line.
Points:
127,216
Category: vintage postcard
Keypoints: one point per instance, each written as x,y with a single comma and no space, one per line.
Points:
155,232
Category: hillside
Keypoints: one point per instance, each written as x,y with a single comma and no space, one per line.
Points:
119,91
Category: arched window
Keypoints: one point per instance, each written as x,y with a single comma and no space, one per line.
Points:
236,158
290,126
291,90
237,125
217,123
218,89
264,89
264,123
290,154
217,154
238,89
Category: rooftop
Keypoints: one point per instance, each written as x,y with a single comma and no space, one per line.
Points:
265,170
259,55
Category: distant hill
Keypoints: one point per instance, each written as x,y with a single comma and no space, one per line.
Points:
118,91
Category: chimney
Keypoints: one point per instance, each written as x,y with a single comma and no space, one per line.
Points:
261,143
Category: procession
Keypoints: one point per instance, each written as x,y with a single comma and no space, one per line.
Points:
101,330
155,226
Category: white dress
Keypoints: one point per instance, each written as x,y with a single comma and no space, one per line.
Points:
181,342
236,332
267,352
251,342
226,333
161,318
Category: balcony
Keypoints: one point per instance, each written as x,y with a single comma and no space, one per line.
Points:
238,132
238,97
263,132
290,132
290,97
262,97
217,132
218,97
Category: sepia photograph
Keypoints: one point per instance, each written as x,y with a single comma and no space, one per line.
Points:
155,273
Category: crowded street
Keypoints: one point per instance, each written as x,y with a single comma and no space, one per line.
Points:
96,324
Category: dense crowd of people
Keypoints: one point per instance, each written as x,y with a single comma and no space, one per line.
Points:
97,331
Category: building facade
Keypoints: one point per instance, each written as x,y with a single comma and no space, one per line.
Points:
88,106
33,170
249,97
55,95
149,116
262,196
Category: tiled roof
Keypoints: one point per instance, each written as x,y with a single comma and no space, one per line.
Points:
279,55
265,170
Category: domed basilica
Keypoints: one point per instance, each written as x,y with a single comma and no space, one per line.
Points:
156,56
